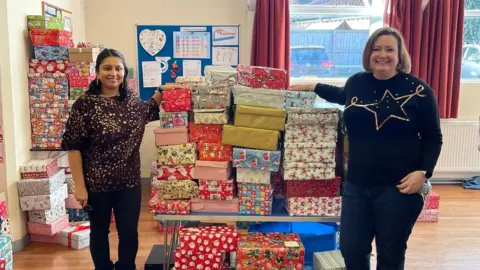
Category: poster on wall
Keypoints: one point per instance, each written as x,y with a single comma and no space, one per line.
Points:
191,45
49,10
225,36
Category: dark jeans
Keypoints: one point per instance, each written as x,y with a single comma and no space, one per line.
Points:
126,207
380,212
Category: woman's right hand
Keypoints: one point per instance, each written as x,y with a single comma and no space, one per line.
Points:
81,196
305,87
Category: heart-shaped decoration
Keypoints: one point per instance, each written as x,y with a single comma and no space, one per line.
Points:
152,41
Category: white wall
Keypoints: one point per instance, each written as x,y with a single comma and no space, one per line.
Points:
15,50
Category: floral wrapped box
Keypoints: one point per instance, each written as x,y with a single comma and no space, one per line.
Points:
220,75
259,97
308,153
42,186
76,237
255,176
6,252
300,99
262,77
270,251
216,190
312,116
172,189
314,206
39,168
169,207
256,159
311,133
51,52
308,171
81,69
47,216
209,239
175,172
177,154
206,96
210,116
44,202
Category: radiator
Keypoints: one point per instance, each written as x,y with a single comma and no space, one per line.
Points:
460,152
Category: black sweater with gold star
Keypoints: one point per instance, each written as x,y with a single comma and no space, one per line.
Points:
393,127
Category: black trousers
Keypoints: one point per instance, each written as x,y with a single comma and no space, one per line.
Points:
126,207
380,212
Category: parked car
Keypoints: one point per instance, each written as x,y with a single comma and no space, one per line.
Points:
471,61
310,62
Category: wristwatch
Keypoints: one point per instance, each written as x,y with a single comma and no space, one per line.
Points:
159,89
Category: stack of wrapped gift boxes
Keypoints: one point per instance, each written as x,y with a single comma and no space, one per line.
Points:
48,82
205,247
42,191
309,162
176,156
81,69
430,208
259,117
5,227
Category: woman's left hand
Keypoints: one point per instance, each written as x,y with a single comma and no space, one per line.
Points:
157,96
412,183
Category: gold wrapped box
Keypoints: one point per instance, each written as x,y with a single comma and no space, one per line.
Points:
261,118
254,138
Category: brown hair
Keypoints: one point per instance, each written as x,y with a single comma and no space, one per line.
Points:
404,62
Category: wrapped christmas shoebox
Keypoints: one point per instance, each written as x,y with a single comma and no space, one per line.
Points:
48,229
77,215
308,171
216,190
6,251
54,239
80,81
175,172
42,186
5,226
3,206
39,168
70,183
213,170
310,152
47,216
209,239
177,154
174,190
177,100
259,97
211,96
83,54
215,206
49,113
186,260
312,116
250,138
205,133
262,77
270,251
51,52
256,159
189,79
47,83
311,133
312,188
81,69
173,119
254,191
220,75
44,22
255,207
47,142
255,176
72,203
428,215
329,260
47,66
432,201
76,237
210,116
169,207
313,206
300,99
44,202
50,37
261,118
171,136
215,152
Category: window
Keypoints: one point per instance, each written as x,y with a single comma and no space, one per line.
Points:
471,41
327,37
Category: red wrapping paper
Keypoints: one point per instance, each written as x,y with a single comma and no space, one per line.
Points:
270,251
209,239
432,201
37,169
177,100
205,133
47,66
80,81
312,188
50,37
175,172
262,77
169,207
215,152
186,260
428,215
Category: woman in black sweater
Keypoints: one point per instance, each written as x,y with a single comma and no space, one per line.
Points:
394,141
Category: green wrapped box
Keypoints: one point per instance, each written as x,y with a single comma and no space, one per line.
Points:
42,22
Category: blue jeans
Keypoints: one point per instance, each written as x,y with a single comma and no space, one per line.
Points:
380,212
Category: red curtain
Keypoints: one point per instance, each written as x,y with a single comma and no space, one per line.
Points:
271,35
433,34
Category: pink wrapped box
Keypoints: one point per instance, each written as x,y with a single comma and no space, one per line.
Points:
72,203
432,201
213,170
54,239
428,215
171,136
48,229
314,206
211,206
36,169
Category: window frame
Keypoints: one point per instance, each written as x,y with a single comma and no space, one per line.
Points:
470,13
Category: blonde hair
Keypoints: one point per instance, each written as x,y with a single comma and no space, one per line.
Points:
404,62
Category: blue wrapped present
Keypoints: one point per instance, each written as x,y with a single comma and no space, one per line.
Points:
76,215
6,251
300,99
51,52
256,159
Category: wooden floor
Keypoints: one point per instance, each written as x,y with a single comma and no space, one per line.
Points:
452,243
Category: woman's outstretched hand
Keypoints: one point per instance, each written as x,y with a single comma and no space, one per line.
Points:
305,87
